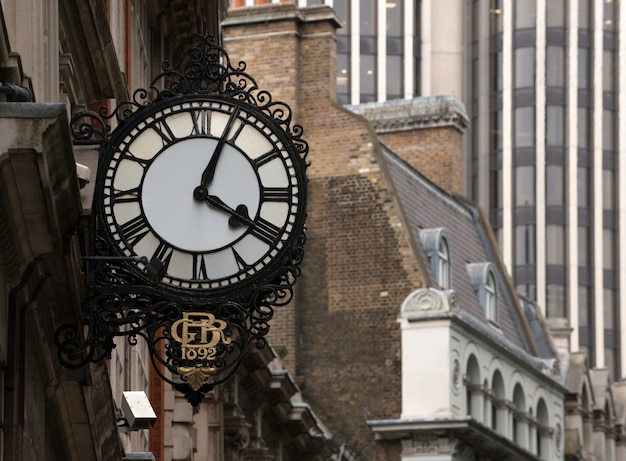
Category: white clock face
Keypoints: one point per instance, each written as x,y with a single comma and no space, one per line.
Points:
206,187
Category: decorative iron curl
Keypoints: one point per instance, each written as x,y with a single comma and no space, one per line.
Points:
89,127
202,69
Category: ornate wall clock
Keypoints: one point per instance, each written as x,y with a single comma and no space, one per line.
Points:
197,222
211,188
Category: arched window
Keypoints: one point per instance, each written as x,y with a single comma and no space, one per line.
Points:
483,279
474,391
499,406
443,264
491,297
520,419
544,432
437,249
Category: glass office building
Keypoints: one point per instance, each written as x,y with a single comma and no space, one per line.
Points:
545,81
542,81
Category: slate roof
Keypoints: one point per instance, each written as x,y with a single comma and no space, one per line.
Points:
426,206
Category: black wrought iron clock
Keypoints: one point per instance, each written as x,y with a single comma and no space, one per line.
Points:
198,220
210,188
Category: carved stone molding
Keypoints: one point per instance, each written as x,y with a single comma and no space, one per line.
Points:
429,300
426,443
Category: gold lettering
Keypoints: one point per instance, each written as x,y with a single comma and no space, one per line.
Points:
198,334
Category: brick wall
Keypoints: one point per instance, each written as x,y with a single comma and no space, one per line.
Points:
340,335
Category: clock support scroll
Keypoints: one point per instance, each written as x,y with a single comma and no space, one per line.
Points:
197,224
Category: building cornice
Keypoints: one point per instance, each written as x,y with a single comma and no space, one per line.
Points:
411,114
280,12
448,436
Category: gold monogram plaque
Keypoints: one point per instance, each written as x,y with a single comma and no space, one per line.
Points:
199,334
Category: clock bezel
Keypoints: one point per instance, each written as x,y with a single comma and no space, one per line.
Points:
280,266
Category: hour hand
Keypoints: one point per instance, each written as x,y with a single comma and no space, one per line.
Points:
238,216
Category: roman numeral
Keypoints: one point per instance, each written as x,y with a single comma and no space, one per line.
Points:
199,267
237,132
164,130
126,196
201,120
134,230
265,231
241,264
142,161
164,254
265,158
276,194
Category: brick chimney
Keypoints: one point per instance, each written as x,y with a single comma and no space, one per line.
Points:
426,132
289,50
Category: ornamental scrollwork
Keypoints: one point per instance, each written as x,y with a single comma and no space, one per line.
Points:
204,68
196,340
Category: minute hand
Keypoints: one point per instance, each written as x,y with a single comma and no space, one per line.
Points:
209,171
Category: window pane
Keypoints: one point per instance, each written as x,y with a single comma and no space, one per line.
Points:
609,14
583,68
524,185
495,69
609,309
583,306
394,19
368,77
608,130
555,66
495,189
524,127
495,16
583,247
524,67
608,71
583,187
584,17
555,13
555,245
608,188
368,17
496,131
490,297
555,301
608,249
524,245
394,77
555,126
343,74
555,185
525,14
583,127
443,268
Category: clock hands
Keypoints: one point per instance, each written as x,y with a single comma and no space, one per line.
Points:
238,216
209,171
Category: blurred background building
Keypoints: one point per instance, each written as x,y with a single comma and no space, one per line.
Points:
542,81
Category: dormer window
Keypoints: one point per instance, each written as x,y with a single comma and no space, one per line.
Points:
490,297
437,249
483,279
443,264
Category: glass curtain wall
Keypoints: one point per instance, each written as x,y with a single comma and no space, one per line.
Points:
553,146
